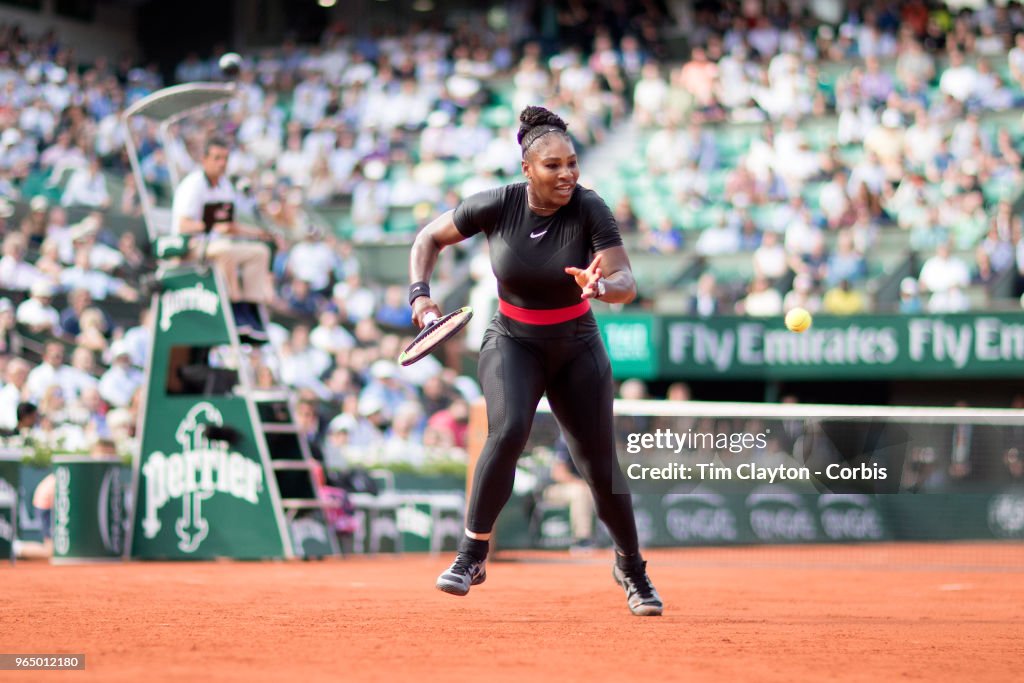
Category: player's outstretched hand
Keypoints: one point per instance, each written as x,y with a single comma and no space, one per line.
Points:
421,307
587,279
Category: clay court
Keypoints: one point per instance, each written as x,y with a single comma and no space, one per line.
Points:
851,613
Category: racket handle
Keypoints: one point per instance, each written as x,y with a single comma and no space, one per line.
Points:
428,318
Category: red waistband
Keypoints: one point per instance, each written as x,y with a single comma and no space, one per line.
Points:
550,316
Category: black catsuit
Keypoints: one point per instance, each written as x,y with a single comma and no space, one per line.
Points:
520,361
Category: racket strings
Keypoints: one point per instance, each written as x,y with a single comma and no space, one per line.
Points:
439,330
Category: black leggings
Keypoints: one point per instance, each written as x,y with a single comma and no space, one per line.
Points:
518,363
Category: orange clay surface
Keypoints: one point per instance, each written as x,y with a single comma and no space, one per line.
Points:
913,612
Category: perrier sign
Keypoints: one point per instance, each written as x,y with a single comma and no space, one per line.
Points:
199,495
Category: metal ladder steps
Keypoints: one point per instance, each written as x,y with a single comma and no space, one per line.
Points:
294,464
309,503
280,428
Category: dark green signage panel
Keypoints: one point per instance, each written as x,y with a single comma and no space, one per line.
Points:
855,347
198,497
90,509
632,340
863,347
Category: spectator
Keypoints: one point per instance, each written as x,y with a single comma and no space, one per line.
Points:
51,372
99,284
404,442
386,389
11,341
118,384
395,311
943,272
300,300
704,302
842,299
566,487
303,365
13,393
329,336
802,295
87,187
762,301
36,313
15,272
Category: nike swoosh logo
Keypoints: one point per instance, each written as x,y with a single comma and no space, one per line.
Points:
535,235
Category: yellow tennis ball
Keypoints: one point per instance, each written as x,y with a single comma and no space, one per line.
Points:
798,320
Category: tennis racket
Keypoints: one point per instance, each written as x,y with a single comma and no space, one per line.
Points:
436,331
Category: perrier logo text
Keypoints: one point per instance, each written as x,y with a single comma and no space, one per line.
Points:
202,469
195,298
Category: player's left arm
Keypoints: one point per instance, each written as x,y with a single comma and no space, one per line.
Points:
609,271
619,283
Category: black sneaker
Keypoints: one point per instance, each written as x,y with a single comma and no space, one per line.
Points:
641,597
466,571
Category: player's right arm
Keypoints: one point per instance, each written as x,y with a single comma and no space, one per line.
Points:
438,234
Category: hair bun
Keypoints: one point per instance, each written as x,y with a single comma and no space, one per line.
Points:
531,117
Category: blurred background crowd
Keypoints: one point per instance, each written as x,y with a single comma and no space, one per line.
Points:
848,158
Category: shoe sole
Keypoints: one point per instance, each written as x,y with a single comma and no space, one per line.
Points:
452,588
646,611
640,610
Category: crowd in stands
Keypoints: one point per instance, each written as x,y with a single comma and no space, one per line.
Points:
808,144
377,126
798,142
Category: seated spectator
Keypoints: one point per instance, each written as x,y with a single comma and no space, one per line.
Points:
36,313
50,372
943,272
312,260
566,487
93,334
11,341
298,299
355,299
81,376
85,237
118,384
303,365
49,263
404,441
704,302
664,240
87,187
720,238
99,284
762,301
15,272
845,263
394,311
311,427
802,295
386,388
329,336
138,338
842,299
770,261
13,393
134,261
452,421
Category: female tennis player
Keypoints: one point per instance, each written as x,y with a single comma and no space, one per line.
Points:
554,246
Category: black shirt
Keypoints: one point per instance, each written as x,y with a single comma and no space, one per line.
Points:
529,253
